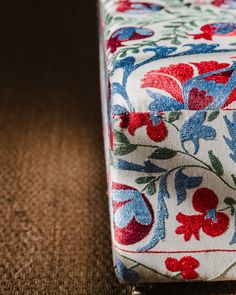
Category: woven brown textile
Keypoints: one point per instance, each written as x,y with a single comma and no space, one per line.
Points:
54,225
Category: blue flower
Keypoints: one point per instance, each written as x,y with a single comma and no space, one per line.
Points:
193,130
232,132
125,274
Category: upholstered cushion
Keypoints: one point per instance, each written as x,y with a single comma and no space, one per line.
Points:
168,72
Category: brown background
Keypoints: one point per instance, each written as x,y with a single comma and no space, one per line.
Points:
54,226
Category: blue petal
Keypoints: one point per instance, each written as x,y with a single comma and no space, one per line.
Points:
193,130
201,48
211,214
135,207
158,233
118,110
232,132
148,166
163,103
125,274
183,182
233,240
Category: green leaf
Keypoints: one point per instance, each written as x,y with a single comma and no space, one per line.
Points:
216,164
176,41
232,210
213,115
123,54
135,50
192,23
197,8
229,201
165,38
234,178
144,179
163,154
120,137
173,116
118,18
125,149
210,11
171,26
151,189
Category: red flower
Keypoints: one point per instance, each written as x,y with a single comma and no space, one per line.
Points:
172,81
211,222
133,121
186,266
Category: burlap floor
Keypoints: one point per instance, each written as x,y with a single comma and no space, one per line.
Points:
54,228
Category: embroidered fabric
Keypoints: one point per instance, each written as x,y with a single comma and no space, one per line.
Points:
169,108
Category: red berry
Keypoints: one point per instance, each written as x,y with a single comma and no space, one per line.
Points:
218,228
172,264
204,199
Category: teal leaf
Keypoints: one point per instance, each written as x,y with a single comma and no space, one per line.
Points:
173,116
150,189
229,201
144,179
124,149
216,164
163,154
120,137
213,115
234,178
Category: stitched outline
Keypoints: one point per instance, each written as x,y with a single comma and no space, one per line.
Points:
174,252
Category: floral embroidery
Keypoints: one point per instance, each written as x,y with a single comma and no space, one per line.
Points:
127,34
155,127
193,130
211,222
133,214
218,29
186,266
213,87
169,103
137,7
